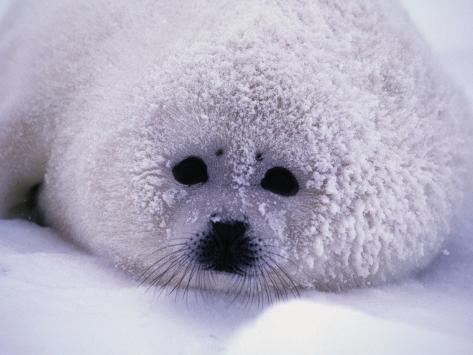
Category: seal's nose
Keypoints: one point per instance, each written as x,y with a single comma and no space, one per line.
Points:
227,247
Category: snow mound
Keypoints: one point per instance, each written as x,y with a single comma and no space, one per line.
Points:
56,299
303,327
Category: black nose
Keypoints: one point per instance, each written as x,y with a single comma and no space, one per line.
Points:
227,247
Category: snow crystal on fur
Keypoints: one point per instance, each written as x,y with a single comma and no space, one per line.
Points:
344,94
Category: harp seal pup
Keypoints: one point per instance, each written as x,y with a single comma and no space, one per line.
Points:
250,147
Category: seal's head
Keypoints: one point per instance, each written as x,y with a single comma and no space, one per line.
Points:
287,146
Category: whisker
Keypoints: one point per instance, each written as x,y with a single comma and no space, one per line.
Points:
157,278
285,258
284,272
261,279
264,283
156,265
280,291
178,284
186,289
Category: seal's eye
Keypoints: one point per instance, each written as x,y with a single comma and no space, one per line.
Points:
190,171
280,181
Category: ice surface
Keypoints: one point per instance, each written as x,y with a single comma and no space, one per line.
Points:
318,328
56,299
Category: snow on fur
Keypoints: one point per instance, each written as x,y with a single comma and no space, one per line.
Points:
346,95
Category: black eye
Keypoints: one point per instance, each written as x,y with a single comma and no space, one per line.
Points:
190,171
280,181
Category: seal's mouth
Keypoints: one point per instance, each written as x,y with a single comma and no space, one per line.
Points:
227,257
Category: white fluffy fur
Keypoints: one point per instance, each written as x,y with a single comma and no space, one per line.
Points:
99,98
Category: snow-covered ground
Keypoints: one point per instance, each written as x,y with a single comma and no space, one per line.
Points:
55,299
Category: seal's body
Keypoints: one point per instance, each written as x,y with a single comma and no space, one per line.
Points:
240,146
